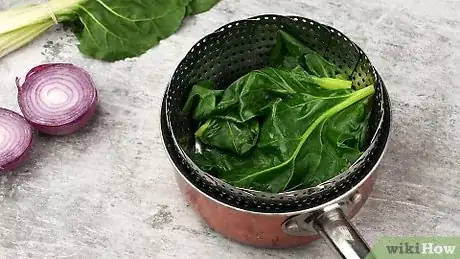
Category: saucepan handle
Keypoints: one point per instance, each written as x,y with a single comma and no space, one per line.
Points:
335,227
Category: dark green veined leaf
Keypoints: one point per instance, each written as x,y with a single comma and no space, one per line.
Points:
255,91
202,99
287,51
290,52
324,82
332,147
227,135
316,65
138,10
116,30
243,101
296,146
200,6
251,96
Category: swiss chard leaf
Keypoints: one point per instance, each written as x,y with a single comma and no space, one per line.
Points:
303,141
332,147
200,6
118,29
318,66
242,102
109,30
247,98
251,95
205,96
289,52
238,138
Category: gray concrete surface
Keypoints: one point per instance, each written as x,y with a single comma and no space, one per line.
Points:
108,191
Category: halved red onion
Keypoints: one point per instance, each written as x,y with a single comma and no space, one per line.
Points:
57,98
16,137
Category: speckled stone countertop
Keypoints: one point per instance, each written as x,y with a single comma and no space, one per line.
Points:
108,191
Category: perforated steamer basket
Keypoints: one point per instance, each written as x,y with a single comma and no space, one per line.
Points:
264,219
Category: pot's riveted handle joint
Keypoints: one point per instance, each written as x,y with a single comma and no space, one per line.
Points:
302,224
334,226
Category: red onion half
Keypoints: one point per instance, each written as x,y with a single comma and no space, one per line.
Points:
57,98
16,137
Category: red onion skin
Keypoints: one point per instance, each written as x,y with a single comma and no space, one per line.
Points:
64,129
18,161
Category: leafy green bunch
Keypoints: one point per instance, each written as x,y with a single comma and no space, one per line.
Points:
107,30
288,126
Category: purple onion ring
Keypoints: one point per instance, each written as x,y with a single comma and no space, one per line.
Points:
57,98
16,136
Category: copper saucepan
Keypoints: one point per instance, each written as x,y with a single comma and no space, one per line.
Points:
274,220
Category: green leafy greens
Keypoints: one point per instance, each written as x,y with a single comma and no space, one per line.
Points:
107,30
288,126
